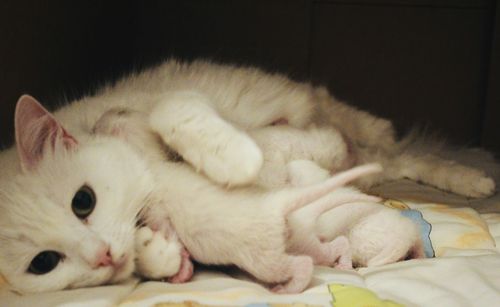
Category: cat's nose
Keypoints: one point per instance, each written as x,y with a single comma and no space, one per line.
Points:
103,258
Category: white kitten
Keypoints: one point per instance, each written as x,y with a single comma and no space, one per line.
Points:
377,234
246,227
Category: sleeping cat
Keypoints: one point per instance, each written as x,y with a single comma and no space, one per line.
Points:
364,234
76,227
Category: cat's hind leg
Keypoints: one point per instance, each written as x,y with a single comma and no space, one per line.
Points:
188,123
445,174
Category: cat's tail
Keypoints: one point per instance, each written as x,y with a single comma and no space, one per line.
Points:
297,198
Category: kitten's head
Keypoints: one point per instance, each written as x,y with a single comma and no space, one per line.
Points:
67,219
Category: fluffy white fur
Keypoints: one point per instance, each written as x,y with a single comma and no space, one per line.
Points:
363,234
251,233
187,102
36,216
204,112
246,227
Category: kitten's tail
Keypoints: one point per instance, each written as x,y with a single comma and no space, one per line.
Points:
300,197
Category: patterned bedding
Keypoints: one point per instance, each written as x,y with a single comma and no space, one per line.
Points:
465,272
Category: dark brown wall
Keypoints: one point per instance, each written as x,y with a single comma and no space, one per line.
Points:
490,134
433,63
58,49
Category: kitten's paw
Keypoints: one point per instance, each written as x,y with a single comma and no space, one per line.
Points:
340,251
234,162
156,257
471,182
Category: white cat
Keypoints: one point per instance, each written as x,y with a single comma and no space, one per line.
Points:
68,219
51,182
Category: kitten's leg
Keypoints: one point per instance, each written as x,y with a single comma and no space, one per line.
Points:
303,238
336,253
189,124
292,274
300,271
341,246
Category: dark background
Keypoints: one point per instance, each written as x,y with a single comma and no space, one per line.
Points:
434,63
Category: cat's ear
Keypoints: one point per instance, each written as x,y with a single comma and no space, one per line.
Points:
37,131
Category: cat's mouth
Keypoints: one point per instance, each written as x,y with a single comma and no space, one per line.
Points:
120,270
123,269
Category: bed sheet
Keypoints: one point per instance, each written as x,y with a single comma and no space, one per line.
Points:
466,272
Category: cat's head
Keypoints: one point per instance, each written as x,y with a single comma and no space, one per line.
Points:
67,219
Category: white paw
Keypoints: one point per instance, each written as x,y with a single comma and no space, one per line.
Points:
156,257
236,161
471,182
484,187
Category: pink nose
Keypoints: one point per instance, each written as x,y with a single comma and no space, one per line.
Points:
103,258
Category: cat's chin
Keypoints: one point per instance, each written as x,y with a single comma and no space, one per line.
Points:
107,276
123,272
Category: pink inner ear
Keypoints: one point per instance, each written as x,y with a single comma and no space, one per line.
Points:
35,129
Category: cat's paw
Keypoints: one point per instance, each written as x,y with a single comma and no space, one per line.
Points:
156,256
186,270
235,162
470,182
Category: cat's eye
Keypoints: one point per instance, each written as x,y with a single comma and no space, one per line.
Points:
44,262
83,202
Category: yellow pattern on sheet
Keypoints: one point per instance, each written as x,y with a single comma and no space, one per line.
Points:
455,228
194,304
351,296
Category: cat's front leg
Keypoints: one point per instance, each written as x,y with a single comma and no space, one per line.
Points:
188,123
158,257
